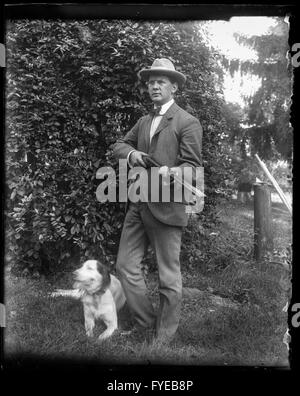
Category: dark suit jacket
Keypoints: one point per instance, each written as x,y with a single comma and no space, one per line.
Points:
177,141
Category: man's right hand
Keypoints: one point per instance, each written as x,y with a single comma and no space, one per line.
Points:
136,158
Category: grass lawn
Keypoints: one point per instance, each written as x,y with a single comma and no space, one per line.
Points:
249,330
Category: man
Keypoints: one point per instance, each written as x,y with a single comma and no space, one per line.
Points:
173,138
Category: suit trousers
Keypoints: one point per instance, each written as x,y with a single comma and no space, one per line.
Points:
141,227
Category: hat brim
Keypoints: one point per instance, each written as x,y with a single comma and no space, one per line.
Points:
177,76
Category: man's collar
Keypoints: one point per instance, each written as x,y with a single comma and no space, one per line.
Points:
165,107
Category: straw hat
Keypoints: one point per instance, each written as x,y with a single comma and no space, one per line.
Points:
162,66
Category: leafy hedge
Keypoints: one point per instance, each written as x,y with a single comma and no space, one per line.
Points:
72,90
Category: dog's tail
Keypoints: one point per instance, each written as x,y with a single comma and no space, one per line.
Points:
73,293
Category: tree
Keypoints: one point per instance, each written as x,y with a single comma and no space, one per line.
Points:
269,133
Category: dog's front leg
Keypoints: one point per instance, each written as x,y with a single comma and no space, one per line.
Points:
111,322
89,322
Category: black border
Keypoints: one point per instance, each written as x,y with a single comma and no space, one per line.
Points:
144,11
213,376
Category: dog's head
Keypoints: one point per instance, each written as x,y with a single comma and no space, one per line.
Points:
92,276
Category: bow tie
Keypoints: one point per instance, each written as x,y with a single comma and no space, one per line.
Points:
155,111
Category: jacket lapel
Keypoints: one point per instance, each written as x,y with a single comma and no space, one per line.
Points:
166,118
147,132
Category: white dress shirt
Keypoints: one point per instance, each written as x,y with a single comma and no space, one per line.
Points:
157,118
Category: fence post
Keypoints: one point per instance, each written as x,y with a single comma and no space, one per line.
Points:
263,233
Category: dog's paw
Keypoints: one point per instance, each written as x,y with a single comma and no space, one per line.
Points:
106,334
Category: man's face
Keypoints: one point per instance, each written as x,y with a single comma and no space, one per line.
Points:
161,89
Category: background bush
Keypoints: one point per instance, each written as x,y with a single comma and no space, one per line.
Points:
71,91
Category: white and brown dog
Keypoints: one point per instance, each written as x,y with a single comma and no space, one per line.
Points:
101,294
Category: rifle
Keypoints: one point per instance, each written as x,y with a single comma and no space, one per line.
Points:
149,161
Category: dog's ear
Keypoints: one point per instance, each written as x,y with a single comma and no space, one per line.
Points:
105,276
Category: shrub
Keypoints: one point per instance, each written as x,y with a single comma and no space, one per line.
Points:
72,90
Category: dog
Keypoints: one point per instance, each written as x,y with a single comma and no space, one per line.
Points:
101,293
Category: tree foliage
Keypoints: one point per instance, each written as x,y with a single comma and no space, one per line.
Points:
268,110
71,91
